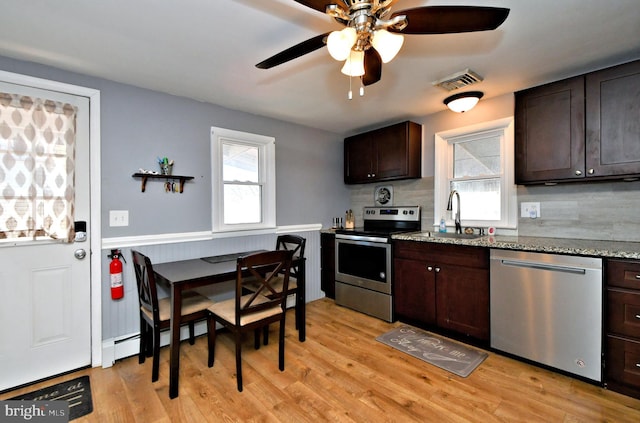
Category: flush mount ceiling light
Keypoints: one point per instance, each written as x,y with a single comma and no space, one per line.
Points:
463,102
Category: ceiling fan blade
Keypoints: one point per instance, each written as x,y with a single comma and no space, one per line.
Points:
307,46
451,19
372,67
320,5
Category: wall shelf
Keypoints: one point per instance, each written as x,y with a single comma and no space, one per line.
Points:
146,176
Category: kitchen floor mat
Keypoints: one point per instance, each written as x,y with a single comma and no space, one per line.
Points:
452,356
76,391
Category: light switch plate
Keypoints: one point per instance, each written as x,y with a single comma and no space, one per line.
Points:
531,210
118,217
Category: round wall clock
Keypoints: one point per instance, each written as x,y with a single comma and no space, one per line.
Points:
383,195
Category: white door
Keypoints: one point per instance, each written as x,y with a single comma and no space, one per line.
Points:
45,285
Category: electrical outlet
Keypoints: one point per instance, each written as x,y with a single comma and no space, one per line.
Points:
531,210
118,217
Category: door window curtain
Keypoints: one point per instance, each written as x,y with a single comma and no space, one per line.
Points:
37,168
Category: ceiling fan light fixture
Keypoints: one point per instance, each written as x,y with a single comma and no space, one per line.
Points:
463,102
354,65
339,43
387,44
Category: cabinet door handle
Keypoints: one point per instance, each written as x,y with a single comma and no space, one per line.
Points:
638,316
429,268
637,276
637,364
437,269
578,172
590,171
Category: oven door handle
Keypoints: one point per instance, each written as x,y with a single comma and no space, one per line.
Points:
362,238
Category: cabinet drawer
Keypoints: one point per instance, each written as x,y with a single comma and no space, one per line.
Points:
623,273
411,250
439,254
623,312
623,361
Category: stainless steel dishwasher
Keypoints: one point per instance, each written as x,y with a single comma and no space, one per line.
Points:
548,308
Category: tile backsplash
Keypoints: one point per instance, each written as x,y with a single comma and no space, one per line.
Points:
600,210
603,210
414,192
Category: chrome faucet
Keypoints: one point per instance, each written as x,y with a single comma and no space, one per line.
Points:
450,208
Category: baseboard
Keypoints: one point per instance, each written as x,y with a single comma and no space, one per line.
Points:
126,346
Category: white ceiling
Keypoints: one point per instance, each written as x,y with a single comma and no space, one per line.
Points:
207,50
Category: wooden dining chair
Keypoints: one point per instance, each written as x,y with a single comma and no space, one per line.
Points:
296,244
155,314
250,312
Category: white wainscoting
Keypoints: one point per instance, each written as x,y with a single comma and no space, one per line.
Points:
120,319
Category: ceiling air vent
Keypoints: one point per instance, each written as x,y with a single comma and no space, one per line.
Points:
458,80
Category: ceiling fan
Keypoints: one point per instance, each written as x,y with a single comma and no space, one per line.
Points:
373,33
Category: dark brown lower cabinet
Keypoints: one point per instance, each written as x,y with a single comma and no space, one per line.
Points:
443,286
415,291
622,354
327,264
622,371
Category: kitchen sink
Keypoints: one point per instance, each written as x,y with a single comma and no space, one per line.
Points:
452,235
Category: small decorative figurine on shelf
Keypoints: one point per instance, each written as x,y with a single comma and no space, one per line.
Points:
166,166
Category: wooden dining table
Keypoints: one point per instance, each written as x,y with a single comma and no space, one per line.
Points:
188,274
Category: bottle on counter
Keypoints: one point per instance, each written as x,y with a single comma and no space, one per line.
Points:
443,225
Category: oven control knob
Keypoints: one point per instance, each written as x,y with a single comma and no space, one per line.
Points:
383,276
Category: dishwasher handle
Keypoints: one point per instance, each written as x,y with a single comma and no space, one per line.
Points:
543,266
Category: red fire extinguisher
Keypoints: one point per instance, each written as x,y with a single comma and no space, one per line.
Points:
115,275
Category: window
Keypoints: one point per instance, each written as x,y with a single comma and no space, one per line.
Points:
243,179
37,154
477,162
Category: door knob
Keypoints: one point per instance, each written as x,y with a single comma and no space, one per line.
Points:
80,253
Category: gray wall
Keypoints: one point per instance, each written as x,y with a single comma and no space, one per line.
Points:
138,125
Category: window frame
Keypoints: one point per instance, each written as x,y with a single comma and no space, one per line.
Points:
267,180
443,172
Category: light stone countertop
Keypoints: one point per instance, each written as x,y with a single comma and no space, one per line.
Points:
577,247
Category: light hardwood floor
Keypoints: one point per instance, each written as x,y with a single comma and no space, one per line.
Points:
341,374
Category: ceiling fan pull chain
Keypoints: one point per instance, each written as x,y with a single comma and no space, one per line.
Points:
350,78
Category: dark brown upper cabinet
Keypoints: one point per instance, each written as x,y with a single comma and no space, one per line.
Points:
579,129
549,132
385,154
613,121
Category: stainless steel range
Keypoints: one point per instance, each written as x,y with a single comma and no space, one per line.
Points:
363,259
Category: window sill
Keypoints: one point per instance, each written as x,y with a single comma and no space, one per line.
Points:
241,232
